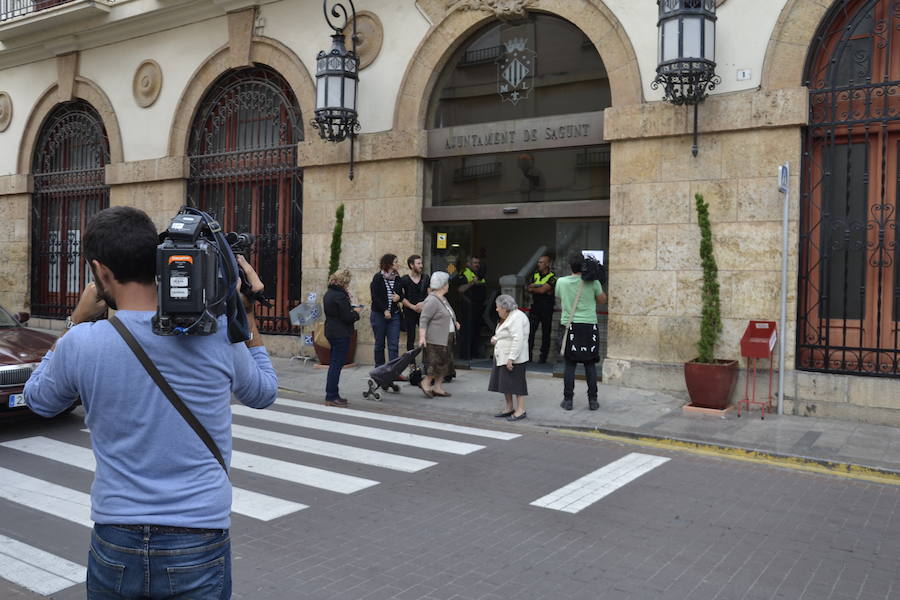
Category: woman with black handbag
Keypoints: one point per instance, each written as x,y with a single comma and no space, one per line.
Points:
579,298
340,316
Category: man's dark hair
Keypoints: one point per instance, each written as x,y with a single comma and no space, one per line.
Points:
413,258
387,261
576,262
124,239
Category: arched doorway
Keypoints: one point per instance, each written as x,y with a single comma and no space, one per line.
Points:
517,164
243,170
69,188
849,285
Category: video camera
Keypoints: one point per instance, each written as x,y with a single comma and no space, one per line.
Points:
197,275
593,270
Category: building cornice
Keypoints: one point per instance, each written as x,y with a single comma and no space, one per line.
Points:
123,21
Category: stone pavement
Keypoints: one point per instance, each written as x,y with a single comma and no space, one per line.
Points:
624,412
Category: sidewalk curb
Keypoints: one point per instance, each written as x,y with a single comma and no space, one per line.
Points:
798,462
758,455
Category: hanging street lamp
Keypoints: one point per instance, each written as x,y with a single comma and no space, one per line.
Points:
337,79
687,53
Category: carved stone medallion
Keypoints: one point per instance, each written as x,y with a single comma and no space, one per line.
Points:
5,111
371,36
502,9
147,83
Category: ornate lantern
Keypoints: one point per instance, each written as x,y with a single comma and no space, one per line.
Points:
687,53
337,79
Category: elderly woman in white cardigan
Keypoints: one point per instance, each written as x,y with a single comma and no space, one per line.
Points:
510,355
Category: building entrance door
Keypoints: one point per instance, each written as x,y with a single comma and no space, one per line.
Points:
508,250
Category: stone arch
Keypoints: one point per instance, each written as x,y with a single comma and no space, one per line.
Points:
263,50
593,18
86,90
786,53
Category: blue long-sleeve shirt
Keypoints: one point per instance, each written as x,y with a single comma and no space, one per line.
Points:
152,468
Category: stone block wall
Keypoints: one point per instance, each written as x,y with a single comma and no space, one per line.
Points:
381,215
15,266
655,276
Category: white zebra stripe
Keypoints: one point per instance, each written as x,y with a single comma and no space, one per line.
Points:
338,451
244,502
311,476
497,435
46,497
37,570
583,492
372,433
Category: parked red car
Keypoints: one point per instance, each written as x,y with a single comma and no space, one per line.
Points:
21,350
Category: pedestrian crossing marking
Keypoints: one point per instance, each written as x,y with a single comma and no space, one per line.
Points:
594,486
244,502
372,433
37,570
311,476
372,458
475,431
46,497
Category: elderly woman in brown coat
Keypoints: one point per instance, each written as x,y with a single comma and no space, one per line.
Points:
437,328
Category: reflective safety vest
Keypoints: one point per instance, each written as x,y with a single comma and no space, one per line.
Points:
470,276
541,280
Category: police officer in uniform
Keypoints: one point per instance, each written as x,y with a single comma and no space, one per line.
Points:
542,302
474,292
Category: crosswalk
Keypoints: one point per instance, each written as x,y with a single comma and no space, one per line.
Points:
303,454
288,429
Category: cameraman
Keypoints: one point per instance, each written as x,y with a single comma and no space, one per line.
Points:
160,501
579,295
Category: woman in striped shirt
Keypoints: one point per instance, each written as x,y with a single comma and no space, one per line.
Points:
385,318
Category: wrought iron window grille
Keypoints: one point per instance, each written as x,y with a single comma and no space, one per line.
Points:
849,273
243,170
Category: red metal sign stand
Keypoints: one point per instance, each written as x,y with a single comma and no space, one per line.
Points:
758,342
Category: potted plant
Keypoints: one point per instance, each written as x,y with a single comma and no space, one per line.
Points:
320,342
710,381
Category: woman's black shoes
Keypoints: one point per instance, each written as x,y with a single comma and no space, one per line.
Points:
519,418
504,415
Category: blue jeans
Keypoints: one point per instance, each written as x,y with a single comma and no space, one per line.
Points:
125,563
340,347
386,329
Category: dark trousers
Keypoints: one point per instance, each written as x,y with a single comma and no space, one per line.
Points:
340,347
386,330
590,373
543,316
411,321
470,335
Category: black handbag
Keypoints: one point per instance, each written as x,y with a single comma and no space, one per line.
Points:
167,390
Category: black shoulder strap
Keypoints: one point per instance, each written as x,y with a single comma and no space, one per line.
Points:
157,377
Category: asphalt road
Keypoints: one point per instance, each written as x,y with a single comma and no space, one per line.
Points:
651,524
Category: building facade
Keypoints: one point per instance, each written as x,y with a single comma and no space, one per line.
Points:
499,128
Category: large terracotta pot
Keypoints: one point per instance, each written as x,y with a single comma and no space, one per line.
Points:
710,385
324,354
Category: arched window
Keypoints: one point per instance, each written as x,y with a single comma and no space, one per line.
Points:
243,161
69,188
540,66
849,285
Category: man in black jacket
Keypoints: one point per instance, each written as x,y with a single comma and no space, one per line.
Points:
413,291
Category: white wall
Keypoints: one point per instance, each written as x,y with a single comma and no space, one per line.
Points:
24,85
301,26
179,52
743,30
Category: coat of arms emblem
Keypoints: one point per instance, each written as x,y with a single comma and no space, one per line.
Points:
515,71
